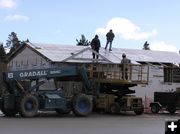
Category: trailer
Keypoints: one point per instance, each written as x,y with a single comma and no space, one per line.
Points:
169,101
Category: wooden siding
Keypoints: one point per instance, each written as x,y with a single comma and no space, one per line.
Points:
27,59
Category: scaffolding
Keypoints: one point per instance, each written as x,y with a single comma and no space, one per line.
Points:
113,73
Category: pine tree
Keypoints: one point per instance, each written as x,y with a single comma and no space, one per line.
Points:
2,53
13,42
146,46
83,41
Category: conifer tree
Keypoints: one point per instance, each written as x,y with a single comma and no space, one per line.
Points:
13,42
82,41
2,53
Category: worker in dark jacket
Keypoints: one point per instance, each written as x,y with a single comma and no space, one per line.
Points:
125,65
109,36
95,45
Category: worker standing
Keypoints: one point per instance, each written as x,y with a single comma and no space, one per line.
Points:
95,45
125,65
109,36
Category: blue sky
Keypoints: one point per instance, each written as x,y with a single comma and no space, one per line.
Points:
63,21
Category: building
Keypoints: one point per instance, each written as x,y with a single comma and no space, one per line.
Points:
37,55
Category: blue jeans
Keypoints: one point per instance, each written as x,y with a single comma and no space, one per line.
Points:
109,42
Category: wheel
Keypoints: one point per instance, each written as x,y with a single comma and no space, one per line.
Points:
9,112
114,108
155,109
29,106
82,105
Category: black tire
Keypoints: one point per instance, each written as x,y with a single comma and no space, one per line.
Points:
9,112
114,108
155,109
82,105
29,106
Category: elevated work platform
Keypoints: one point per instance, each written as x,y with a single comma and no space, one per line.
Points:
115,74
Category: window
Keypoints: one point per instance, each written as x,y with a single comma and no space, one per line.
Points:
172,74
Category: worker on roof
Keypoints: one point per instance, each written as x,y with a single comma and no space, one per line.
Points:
95,45
125,65
109,36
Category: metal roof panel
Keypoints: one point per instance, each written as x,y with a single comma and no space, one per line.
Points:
58,53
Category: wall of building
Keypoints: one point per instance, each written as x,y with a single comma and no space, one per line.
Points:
28,59
156,83
70,87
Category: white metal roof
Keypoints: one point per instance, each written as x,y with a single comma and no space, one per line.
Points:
67,53
56,53
149,55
